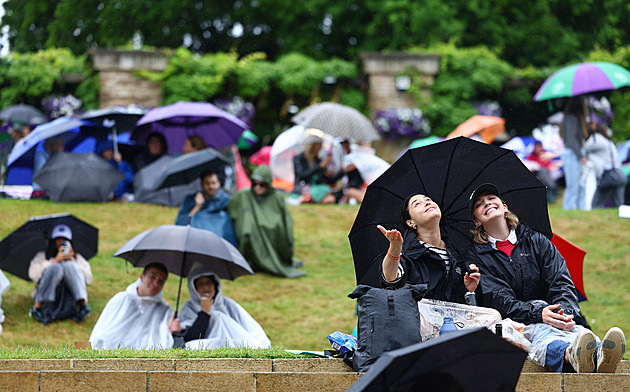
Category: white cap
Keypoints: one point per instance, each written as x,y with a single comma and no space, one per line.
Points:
61,231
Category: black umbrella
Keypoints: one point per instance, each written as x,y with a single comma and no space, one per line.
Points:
188,167
448,172
118,118
78,177
19,247
180,247
144,185
23,114
468,360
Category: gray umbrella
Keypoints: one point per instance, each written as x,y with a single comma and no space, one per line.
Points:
23,114
188,167
180,247
78,177
338,120
144,185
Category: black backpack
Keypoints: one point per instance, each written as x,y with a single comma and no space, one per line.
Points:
388,319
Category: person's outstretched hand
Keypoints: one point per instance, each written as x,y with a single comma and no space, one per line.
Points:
393,236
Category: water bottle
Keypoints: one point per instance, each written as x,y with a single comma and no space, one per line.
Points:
448,326
498,329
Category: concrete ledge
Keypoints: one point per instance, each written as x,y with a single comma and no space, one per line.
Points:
290,382
35,364
67,381
19,381
311,365
145,364
201,381
539,382
224,365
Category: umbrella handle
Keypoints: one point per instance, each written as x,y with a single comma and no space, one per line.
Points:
115,140
178,293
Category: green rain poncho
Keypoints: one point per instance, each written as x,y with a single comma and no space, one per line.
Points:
264,228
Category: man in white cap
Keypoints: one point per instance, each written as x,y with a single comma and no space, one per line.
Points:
60,265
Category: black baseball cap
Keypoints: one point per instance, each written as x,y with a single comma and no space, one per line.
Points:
480,190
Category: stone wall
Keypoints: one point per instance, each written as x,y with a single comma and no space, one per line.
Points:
382,69
119,86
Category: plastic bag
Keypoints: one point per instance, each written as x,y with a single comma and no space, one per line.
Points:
432,313
513,333
342,342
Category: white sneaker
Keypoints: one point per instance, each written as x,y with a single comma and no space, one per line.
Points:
581,351
611,350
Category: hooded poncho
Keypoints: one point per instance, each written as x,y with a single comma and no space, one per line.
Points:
132,321
264,228
230,325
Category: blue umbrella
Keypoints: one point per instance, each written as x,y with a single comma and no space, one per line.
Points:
78,135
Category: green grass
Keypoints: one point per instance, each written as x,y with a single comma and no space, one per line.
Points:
295,313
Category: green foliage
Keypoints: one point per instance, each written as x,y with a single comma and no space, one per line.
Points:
466,74
30,77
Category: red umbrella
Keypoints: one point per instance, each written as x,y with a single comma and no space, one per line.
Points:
261,157
574,256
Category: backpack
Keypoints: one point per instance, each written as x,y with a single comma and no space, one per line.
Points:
388,319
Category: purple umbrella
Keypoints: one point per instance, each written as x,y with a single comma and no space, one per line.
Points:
182,119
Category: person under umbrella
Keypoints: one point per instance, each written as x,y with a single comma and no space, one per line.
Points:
155,148
264,227
574,132
61,276
208,319
193,143
137,318
422,256
124,190
527,280
207,209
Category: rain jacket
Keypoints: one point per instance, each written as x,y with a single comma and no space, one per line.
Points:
212,216
423,266
132,321
230,325
520,286
264,228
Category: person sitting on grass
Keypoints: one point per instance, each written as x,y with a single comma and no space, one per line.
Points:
207,209
527,280
209,320
61,276
137,318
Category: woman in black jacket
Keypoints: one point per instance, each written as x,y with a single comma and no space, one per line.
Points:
527,280
423,256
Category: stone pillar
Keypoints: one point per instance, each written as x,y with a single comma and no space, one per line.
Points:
119,86
382,69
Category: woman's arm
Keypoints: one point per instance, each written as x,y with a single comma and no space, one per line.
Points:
391,261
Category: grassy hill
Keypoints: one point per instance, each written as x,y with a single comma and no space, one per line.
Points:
295,313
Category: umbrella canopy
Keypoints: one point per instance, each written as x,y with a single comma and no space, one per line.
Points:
488,127
23,114
187,168
583,78
262,156
287,145
144,185
338,120
180,247
19,247
78,177
78,136
448,172
176,122
574,257
468,360
369,165
120,118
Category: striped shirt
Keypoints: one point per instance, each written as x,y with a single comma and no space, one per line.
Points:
443,253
